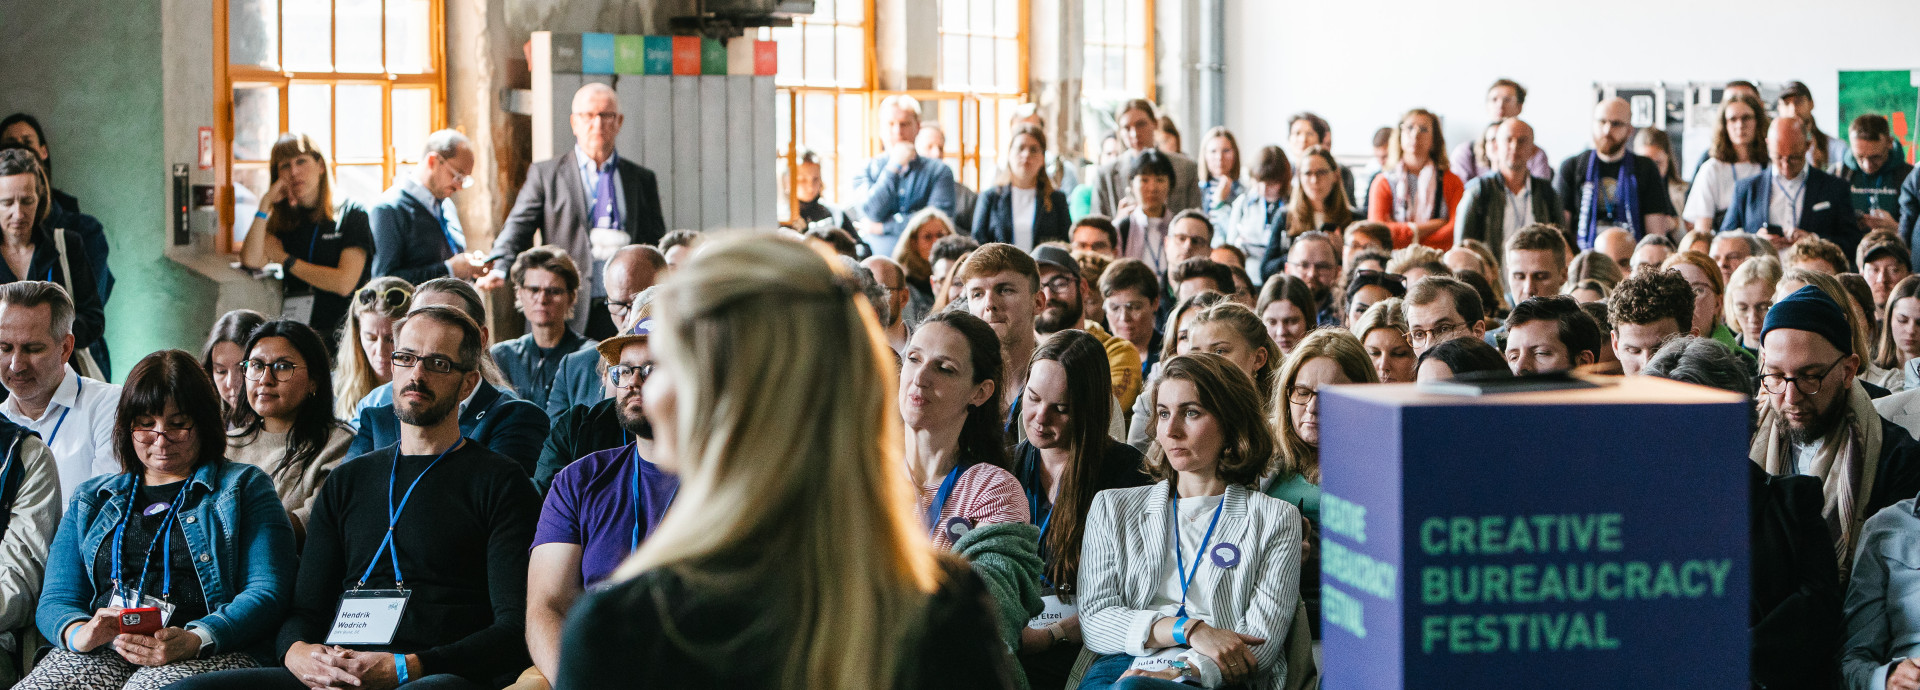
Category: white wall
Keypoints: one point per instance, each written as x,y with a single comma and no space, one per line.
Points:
1361,64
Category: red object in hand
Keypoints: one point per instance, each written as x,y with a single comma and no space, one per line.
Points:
140,621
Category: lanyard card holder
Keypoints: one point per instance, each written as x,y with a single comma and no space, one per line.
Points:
368,616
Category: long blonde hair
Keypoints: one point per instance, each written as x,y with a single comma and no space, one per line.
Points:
791,480
1296,456
353,376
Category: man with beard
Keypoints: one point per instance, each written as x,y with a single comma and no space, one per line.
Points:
600,508
1002,287
1817,420
893,279
1064,288
630,271
589,429
1609,186
435,526
1316,262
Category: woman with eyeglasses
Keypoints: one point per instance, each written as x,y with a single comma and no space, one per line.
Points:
226,348
1416,195
292,434
179,565
1318,202
366,341
324,251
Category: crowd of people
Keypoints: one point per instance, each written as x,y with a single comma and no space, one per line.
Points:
877,417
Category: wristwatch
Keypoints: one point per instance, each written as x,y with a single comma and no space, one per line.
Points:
1058,635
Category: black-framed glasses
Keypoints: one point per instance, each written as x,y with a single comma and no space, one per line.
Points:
629,375
623,306
1777,383
391,297
434,363
175,431
1060,283
552,292
256,370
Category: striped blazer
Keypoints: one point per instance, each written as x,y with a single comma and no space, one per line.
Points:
1126,558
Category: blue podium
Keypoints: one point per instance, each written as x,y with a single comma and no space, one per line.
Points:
1566,539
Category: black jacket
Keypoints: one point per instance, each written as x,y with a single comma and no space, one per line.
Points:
1795,616
89,316
993,217
577,432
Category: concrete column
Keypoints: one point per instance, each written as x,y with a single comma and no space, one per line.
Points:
1055,58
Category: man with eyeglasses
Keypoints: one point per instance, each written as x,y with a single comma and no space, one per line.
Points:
1817,420
415,565
590,201
1439,309
74,415
1063,287
892,279
545,284
416,232
1607,185
1791,199
630,272
600,508
1315,262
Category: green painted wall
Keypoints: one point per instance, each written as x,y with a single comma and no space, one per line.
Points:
93,77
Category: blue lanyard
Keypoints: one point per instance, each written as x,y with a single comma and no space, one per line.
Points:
1793,200
940,497
165,537
639,508
61,423
1186,576
393,514
1013,414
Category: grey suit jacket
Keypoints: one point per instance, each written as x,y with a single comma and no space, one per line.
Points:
1126,557
1110,184
555,203
1483,209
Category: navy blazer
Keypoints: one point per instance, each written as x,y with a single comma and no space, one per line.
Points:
1826,208
407,240
504,424
993,218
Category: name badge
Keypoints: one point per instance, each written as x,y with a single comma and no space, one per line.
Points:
1159,660
1822,206
148,600
297,308
1055,609
368,616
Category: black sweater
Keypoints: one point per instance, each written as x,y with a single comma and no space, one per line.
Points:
615,638
463,542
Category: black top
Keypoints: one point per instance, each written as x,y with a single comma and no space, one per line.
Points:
463,542
190,603
1795,611
615,638
1653,199
321,244
577,433
89,317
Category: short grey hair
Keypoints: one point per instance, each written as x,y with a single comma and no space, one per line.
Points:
33,293
903,102
445,144
876,295
1706,362
1755,245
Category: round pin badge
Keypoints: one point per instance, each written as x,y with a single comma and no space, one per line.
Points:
1225,555
958,527
156,509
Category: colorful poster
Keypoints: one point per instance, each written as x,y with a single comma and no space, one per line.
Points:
1886,92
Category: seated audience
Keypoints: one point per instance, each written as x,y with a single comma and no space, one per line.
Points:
892,281
1368,288
1220,183
1146,223
1307,130
458,559
1230,330
1648,309
1286,307
297,214
1653,144
232,569
1382,329
1792,200
1416,195
1318,203
34,250
1314,261
366,341
1607,186
1652,250
1738,151
1709,294
1595,266
1094,234
677,247
1259,215
630,270
1749,296
545,285
1460,357
1511,196
1363,236
800,380
588,429
1815,254
1441,309
291,433
1870,376
1067,457
1064,290
1133,296
221,358
1731,249
1136,123
918,253
1882,260
1228,624
44,392
1022,208
1194,276
950,400
1549,334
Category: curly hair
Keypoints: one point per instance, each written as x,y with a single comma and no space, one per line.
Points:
1649,296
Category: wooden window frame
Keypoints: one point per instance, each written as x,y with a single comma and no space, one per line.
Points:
1146,49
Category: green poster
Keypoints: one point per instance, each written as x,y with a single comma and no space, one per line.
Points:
1889,92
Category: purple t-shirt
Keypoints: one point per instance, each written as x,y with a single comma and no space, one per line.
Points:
592,503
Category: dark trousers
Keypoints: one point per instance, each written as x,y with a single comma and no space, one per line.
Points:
600,325
283,679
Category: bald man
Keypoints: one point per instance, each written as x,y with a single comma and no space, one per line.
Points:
1792,200
1609,186
590,201
1501,201
631,270
1617,245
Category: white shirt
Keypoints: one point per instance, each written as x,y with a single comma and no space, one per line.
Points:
1195,514
1713,188
1785,199
77,426
1147,240
1025,203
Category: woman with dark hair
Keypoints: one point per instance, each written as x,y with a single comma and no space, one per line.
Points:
1222,614
1286,307
1318,202
1144,216
202,541
950,378
293,435
325,252
222,358
1022,208
1066,459
1458,357
34,251
1739,151
1368,288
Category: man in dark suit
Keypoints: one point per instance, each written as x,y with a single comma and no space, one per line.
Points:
589,201
416,233
1791,199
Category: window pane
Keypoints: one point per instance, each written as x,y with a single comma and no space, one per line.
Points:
853,132
850,11
249,182
787,40
953,62
308,28
1006,62
852,68
981,71
819,59
360,182
310,112
256,121
356,123
408,37
782,120
953,15
823,10
412,122
1132,34
253,32
816,122
1006,17
357,39
982,11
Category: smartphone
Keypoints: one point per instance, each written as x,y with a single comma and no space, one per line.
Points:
140,621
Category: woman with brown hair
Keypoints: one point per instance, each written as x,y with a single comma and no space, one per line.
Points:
34,251
1899,337
224,359
1416,194
325,252
1022,208
1319,202
1220,175
1739,151
1653,144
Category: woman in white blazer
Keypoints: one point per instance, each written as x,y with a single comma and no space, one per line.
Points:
1220,616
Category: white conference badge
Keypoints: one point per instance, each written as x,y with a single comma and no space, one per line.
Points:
297,308
1056,608
368,616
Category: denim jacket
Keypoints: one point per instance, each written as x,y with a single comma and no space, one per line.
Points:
236,530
